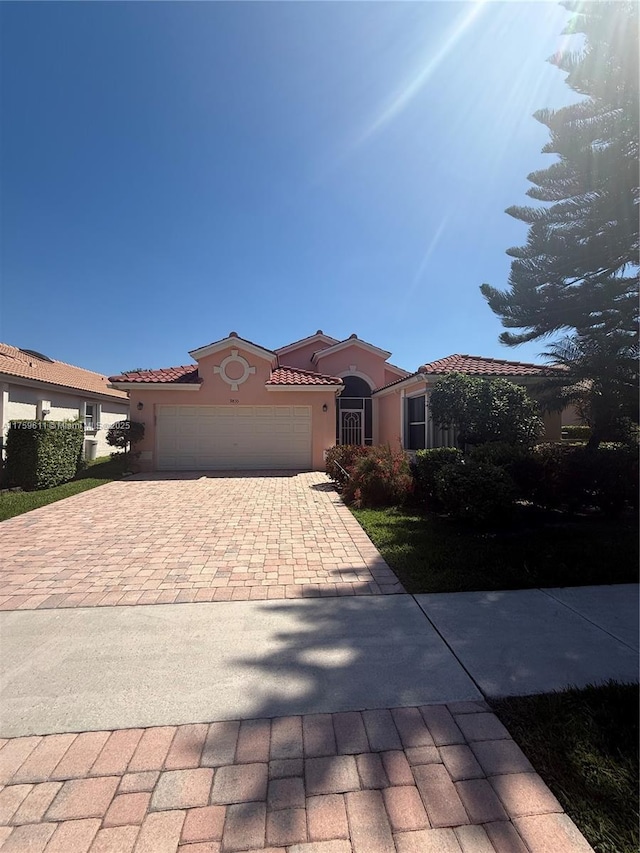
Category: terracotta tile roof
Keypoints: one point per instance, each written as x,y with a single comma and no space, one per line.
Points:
295,376
28,365
186,374
477,364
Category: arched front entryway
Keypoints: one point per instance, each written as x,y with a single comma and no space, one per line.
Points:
354,415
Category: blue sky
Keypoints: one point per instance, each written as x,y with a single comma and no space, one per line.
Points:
173,171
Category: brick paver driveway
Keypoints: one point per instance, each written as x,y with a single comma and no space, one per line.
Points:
428,779
433,779
189,537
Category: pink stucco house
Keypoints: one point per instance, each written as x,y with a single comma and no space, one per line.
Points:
242,406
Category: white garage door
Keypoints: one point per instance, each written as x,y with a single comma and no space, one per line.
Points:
191,438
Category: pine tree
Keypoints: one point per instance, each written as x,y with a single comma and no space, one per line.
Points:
578,271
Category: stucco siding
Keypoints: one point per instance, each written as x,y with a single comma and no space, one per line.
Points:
389,419
366,363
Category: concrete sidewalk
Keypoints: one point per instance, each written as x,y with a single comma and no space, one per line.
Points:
298,726
104,668
520,642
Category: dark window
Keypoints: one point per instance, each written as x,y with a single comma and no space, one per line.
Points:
354,386
90,417
416,437
416,410
416,425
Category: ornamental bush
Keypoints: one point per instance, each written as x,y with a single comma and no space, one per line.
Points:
42,454
483,410
425,468
381,477
475,491
579,478
341,459
124,434
519,462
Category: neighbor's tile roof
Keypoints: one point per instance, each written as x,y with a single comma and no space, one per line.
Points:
186,374
26,365
477,364
295,376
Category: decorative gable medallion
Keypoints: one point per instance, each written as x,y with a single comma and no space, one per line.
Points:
239,370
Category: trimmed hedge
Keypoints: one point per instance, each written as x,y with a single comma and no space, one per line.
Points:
475,491
427,466
574,478
576,432
42,454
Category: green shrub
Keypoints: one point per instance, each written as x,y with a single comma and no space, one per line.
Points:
483,410
426,466
124,434
519,462
42,454
341,459
576,432
379,478
475,491
576,478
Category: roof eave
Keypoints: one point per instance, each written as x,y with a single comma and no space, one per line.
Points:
302,387
157,386
345,344
305,341
236,342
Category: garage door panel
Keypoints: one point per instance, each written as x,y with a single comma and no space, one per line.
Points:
233,437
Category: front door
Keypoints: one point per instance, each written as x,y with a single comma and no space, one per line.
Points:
351,426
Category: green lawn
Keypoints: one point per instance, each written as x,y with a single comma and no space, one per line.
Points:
429,553
584,744
99,472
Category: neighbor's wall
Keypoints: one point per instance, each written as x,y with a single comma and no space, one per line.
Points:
570,417
552,426
27,403
215,392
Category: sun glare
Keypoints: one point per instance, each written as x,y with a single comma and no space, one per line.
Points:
419,78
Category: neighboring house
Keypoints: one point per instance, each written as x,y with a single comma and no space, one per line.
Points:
242,406
36,387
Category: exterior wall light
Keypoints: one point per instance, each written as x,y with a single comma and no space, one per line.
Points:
325,408
140,406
